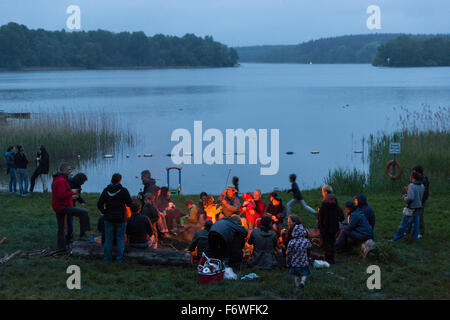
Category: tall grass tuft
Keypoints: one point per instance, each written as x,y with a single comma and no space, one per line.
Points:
346,181
425,141
66,135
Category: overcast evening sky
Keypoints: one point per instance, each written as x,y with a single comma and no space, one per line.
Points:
235,22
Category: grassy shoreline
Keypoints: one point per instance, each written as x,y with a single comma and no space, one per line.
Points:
409,271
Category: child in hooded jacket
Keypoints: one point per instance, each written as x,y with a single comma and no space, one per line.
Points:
297,255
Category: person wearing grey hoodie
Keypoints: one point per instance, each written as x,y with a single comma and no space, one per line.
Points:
413,209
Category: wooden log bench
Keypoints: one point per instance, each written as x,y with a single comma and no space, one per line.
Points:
149,256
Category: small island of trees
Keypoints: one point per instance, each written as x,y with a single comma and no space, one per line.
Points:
405,51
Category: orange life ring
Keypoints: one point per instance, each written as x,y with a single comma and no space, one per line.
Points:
388,167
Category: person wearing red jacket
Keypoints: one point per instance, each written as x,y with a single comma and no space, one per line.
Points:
62,204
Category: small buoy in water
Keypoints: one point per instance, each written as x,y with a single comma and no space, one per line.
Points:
139,155
128,155
148,155
290,152
315,152
108,156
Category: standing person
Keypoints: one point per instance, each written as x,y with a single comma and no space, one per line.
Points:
21,163
75,183
297,197
235,182
139,229
149,185
62,204
413,209
357,228
260,205
297,255
42,167
426,193
328,218
112,204
229,201
264,241
11,168
361,203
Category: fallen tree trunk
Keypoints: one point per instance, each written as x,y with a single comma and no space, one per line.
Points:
169,257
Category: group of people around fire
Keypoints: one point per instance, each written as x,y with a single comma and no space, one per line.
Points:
236,228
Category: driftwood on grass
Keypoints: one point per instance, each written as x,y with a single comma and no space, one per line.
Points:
148,256
6,258
2,240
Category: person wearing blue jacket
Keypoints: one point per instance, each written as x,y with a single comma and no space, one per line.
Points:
357,228
361,202
11,168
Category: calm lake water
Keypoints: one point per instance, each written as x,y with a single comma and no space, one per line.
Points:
325,108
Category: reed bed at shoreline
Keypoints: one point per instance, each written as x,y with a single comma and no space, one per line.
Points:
425,140
66,135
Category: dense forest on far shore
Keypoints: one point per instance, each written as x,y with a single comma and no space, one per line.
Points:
405,51
21,47
342,49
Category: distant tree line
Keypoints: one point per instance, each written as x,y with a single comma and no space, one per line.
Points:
405,51
22,47
342,49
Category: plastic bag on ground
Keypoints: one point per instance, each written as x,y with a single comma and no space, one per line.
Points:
250,276
229,274
321,264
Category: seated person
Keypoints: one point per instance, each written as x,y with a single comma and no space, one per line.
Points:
276,211
293,220
139,230
201,205
193,212
361,203
249,209
264,241
229,201
200,241
212,211
357,228
260,205
149,210
172,214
